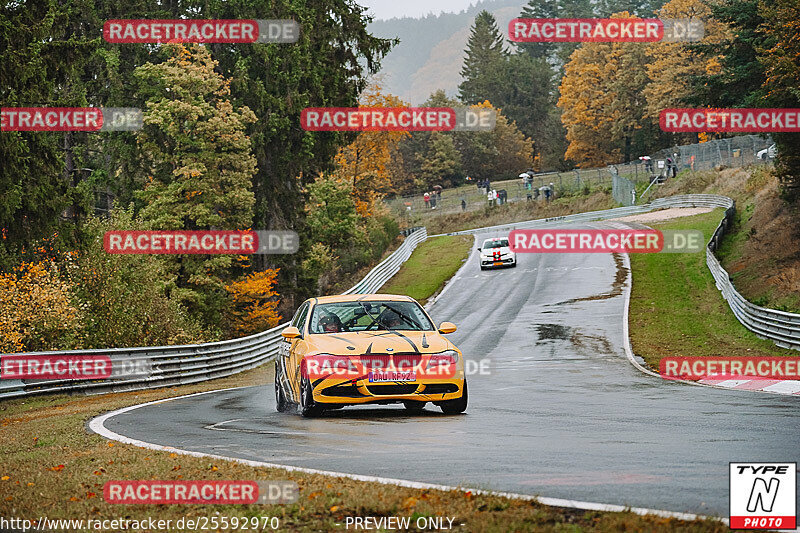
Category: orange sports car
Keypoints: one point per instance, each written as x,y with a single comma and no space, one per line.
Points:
367,349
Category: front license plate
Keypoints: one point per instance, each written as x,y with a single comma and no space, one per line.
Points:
498,263
378,377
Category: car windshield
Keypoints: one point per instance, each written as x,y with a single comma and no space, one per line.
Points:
495,243
343,317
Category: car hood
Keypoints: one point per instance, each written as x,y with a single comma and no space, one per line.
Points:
378,342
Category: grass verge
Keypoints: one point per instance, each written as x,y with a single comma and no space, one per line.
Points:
676,309
433,262
54,467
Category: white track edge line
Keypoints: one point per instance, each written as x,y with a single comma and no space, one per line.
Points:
97,425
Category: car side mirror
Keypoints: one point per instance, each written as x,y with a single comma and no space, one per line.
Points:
447,327
479,249
290,333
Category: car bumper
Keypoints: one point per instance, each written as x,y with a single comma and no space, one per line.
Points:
353,392
489,263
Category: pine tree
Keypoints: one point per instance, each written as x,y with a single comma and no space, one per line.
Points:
201,166
485,61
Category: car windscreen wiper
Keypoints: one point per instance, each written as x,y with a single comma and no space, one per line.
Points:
409,320
374,320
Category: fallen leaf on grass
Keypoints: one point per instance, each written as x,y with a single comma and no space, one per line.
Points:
409,502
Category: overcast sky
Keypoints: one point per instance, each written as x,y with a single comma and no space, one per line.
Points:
386,9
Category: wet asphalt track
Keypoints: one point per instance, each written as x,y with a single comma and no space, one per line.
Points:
562,414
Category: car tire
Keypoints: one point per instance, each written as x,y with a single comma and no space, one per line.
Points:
308,407
413,406
282,405
457,406
483,267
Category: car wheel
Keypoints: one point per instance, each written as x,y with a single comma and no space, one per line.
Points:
459,405
281,403
483,267
308,407
413,406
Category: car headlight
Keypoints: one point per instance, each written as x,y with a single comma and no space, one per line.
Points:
448,357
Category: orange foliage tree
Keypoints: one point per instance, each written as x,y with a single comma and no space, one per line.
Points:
254,303
365,162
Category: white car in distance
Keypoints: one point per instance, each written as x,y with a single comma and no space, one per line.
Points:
767,153
495,252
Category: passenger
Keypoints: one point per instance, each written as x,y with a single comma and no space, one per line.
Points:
391,320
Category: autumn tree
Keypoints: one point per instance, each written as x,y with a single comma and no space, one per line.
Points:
254,303
366,161
672,66
201,165
603,103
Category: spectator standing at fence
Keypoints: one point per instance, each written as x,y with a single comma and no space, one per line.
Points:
547,192
433,200
463,205
427,198
489,198
437,189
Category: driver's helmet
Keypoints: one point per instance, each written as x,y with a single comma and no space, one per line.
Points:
391,319
330,323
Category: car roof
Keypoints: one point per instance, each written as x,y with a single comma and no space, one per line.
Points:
363,298
496,239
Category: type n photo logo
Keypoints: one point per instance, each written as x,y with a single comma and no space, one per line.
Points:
763,495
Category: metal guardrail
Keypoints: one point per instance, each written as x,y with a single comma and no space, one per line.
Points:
780,327
193,363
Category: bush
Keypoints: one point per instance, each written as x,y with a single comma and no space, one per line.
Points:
124,297
36,311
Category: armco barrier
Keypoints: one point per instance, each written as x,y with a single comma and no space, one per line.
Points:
192,363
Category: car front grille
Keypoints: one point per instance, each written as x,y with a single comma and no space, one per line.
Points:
388,390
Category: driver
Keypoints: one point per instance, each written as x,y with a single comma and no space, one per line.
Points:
330,323
391,319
